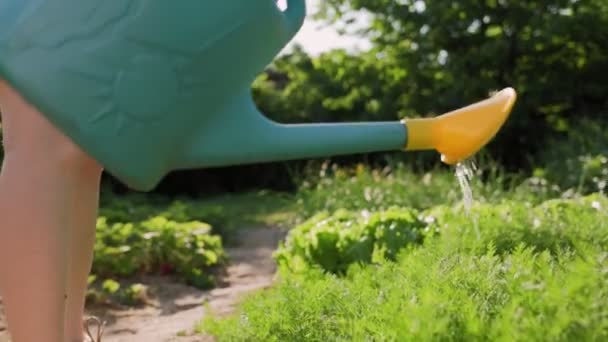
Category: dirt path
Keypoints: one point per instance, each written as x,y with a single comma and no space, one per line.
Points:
176,308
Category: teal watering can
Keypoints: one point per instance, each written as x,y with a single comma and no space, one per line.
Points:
149,86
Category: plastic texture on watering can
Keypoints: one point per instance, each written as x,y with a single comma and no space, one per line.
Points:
149,86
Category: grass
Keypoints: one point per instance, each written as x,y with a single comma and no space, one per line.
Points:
511,272
253,208
529,263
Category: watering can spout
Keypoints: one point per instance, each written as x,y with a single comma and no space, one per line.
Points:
459,134
240,134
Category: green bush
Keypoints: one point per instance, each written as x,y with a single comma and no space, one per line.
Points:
512,272
158,245
141,234
335,242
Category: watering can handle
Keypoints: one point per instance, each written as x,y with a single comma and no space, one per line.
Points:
294,15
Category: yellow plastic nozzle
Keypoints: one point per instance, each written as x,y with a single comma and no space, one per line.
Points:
459,134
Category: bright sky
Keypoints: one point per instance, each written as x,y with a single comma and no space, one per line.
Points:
315,38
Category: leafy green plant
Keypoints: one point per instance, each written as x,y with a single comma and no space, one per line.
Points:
335,242
141,235
158,245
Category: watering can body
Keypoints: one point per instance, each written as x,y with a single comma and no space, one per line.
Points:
149,86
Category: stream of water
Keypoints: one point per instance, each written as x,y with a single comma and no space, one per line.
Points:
464,173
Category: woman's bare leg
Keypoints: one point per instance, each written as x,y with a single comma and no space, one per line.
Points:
37,185
85,201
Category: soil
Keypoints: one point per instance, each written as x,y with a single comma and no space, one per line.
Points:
173,309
